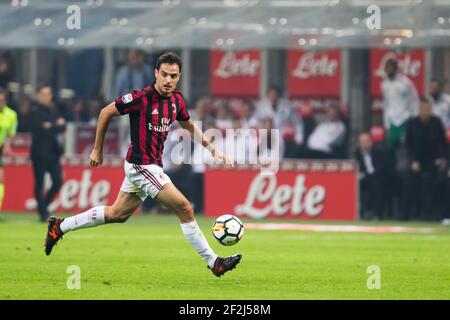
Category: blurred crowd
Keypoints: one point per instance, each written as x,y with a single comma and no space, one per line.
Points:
403,173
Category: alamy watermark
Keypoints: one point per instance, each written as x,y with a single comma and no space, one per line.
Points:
373,21
74,280
373,18
73,21
374,279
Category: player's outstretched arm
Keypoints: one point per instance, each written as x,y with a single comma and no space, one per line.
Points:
201,138
96,156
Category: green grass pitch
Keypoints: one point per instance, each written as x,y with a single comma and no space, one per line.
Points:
148,258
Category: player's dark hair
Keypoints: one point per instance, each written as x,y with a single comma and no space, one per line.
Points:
2,91
169,58
392,62
42,86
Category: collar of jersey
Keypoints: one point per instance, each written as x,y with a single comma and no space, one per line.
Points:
159,94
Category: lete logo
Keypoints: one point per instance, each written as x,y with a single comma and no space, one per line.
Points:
75,193
309,66
406,64
280,200
231,66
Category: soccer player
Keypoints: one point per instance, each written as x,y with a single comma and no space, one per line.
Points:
151,110
8,127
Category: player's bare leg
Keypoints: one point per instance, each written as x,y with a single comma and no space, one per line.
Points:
173,199
119,212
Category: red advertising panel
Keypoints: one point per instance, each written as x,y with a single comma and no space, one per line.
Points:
309,191
314,74
21,144
83,188
235,73
411,64
85,136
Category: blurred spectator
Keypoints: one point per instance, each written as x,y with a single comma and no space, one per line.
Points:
373,176
134,75
45,148
306,113
272,148
95,106
201,111
440,101
246,116
8,126
241,145
426,145
400,102
285,118
327,137
6,68
78,112
223,119
24,115
85,84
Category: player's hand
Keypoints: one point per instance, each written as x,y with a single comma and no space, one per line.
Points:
220,157
96,158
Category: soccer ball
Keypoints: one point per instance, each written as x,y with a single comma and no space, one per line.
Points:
228,229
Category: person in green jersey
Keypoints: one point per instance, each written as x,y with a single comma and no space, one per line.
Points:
8,126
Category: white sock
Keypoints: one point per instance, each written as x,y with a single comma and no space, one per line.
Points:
196,238
91,218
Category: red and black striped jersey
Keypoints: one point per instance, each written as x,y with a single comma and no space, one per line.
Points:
151,115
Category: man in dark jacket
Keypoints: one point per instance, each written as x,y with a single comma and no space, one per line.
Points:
373,175
45,149
426,145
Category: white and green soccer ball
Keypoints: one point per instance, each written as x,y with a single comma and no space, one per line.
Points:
228,229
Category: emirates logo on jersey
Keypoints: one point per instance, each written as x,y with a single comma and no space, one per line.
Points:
163,127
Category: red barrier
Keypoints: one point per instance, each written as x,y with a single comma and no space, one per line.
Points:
301,190
84,187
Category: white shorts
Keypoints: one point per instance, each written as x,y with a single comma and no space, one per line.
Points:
144,180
